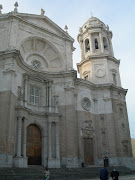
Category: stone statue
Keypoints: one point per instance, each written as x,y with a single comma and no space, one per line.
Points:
66,28
42,12
80,30
15,9
107,27
1,8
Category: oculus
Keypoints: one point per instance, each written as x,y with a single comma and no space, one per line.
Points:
86,103
36,64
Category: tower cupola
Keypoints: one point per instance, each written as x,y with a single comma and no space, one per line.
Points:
95,39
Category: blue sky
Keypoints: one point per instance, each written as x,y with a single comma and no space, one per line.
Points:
119,15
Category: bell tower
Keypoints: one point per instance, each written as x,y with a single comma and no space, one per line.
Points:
98,64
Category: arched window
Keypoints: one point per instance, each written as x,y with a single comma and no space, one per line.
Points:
105,43
87,45
96,43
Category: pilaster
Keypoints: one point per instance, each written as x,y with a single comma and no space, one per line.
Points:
101,42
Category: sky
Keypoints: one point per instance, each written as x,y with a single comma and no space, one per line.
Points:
118,14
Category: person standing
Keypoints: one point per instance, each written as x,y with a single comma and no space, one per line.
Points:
115,174
104,174
46,174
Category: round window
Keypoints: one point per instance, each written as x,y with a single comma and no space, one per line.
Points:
36,64
86,103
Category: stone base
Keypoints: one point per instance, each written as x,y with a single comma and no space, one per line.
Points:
119,161
53,163
72,163
20,162
6,160
128,162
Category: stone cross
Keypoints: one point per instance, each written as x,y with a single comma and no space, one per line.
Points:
42,12
91,14
1,8
66,28
15,9
107,27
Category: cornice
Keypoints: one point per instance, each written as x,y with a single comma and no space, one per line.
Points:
97,87
16,54
95,57
29,111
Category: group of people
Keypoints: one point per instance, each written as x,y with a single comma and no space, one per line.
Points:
104,174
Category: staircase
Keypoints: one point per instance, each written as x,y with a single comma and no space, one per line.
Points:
36,173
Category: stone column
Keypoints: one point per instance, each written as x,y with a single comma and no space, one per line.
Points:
50,94
50,140
82,50
91,44
26,91
101,42
24,137
47,94
50,97
57,141
111,47
19,136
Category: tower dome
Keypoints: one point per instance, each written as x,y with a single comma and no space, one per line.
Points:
93,22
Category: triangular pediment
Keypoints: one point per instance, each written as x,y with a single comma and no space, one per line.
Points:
45,23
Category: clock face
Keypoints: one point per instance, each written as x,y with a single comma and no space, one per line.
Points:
100,73
86,103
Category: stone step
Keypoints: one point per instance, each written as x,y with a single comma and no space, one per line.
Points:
36,172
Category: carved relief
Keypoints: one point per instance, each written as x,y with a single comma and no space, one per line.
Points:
69,85
20,92
100,70
87,129
125,147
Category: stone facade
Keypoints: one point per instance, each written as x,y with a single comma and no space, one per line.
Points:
133,147
79,120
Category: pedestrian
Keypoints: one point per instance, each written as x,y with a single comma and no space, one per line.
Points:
104,173
115,174
46,174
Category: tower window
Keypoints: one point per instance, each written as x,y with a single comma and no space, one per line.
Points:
96,44
105,43
34,95
87,45
114,79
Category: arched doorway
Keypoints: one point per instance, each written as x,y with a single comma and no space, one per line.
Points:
33,145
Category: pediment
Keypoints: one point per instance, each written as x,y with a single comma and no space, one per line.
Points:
45,23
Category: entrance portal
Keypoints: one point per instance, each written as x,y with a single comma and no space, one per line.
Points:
106,162
88,151
33,145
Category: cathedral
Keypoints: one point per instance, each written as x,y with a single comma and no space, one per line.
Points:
50,117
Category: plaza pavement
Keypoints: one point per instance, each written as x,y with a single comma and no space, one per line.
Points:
129,177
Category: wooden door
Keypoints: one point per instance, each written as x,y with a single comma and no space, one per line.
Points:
88,151
33,145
